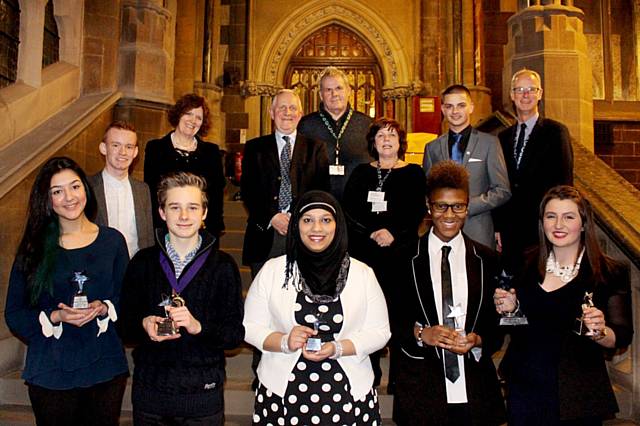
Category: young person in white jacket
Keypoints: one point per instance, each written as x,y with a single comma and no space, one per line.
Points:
316,291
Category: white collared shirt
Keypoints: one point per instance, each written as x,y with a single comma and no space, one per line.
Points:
456,392
120,209
280,142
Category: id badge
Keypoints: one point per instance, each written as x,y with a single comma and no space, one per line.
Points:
379,206
336,170
375,196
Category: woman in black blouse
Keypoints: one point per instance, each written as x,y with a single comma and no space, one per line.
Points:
384,202
183,150
577,302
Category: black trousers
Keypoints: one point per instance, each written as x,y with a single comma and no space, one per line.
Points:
141,418
97,405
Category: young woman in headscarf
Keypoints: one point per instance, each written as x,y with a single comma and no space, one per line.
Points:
316,291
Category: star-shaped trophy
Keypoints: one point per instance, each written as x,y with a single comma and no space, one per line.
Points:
168,327
80,300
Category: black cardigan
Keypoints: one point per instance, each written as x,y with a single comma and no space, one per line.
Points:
584,388
190,368
161,158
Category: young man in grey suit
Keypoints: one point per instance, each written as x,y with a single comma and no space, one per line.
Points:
118,194
480,153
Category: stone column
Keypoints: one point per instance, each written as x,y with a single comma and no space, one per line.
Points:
147,49
401,96
549,39
266,92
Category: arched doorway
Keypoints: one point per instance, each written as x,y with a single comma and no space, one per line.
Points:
336,45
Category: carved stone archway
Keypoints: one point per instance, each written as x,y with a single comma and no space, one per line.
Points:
268,73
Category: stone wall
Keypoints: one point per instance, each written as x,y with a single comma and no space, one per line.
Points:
13,209
619,147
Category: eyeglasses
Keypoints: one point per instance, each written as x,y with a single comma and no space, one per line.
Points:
443,207
527,90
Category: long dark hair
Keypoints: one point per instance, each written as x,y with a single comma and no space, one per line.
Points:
599,262
36,253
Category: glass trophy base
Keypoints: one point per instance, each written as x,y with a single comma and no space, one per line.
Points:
167,328
515,320
80,302
314,344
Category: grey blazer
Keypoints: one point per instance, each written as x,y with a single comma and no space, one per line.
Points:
488,181
141,205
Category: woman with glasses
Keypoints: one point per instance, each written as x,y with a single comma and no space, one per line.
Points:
63,297
577,301
447,326
384,204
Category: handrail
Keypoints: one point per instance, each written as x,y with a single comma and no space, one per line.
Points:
27,153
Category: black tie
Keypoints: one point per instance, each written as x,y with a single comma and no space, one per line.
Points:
450,359
520,144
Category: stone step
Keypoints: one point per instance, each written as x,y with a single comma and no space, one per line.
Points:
232,239
234,208
235,223
239,397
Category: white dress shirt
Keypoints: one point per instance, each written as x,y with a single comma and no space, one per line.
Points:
456,391
120,209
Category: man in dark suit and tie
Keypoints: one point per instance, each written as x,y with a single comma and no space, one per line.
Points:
448,327
480,153
539,156
124,203
276,170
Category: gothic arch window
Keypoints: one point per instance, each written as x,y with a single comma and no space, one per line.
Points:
9,41
337,46
51,41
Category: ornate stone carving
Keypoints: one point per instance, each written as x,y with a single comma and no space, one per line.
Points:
302,25
399,91
253,88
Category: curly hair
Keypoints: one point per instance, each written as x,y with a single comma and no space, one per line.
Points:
384,123
185,104
447,174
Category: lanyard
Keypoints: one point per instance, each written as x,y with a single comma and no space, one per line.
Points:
185,278
342,129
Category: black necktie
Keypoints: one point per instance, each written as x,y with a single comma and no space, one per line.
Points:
520,144
450,359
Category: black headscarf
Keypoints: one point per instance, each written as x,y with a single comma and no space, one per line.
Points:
323,273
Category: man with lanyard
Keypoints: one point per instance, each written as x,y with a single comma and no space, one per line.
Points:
340,127
539,156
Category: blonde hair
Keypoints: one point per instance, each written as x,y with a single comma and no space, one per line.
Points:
180,180
524,71
335,73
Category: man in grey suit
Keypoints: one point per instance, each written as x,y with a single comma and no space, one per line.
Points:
118,194
480,153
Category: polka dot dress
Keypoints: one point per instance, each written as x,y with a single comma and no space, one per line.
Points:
318,393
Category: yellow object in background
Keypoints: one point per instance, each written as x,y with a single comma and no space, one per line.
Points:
415,146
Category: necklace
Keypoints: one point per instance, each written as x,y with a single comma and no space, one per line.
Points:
193,144
381,180
565,273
